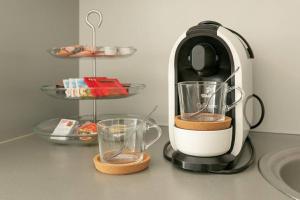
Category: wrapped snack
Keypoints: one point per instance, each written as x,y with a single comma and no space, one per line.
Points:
67,87
113,87
85,92
102,86
76,87
64,128
72,87
76,90
93,87
83,89
92,84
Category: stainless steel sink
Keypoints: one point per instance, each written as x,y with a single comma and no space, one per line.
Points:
282,170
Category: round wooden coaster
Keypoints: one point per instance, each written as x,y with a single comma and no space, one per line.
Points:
120,169
203,126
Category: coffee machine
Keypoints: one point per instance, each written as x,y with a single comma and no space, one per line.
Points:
212,52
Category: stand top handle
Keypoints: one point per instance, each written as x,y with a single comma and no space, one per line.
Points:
98,13
100,18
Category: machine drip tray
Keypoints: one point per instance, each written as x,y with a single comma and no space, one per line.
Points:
226,163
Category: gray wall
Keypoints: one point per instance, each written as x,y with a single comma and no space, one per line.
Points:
28,28
271,27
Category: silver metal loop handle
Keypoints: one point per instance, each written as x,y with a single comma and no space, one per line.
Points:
100,18
98,13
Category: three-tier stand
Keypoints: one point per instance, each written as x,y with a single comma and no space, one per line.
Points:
46,128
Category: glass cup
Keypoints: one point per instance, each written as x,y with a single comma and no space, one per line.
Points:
205,100
122,140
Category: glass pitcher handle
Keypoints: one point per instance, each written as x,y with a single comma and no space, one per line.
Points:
229,107
149,126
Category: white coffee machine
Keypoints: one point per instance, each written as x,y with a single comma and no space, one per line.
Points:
211,52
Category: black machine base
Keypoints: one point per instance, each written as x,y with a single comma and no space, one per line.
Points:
223,164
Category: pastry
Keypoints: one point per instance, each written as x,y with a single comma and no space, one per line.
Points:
63,53
84,53
86,130
69,50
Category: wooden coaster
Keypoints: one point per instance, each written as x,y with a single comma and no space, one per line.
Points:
121,169
203,126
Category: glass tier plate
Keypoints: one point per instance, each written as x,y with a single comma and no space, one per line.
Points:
46,128
80,51
87,93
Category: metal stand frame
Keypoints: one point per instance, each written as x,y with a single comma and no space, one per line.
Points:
100,18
